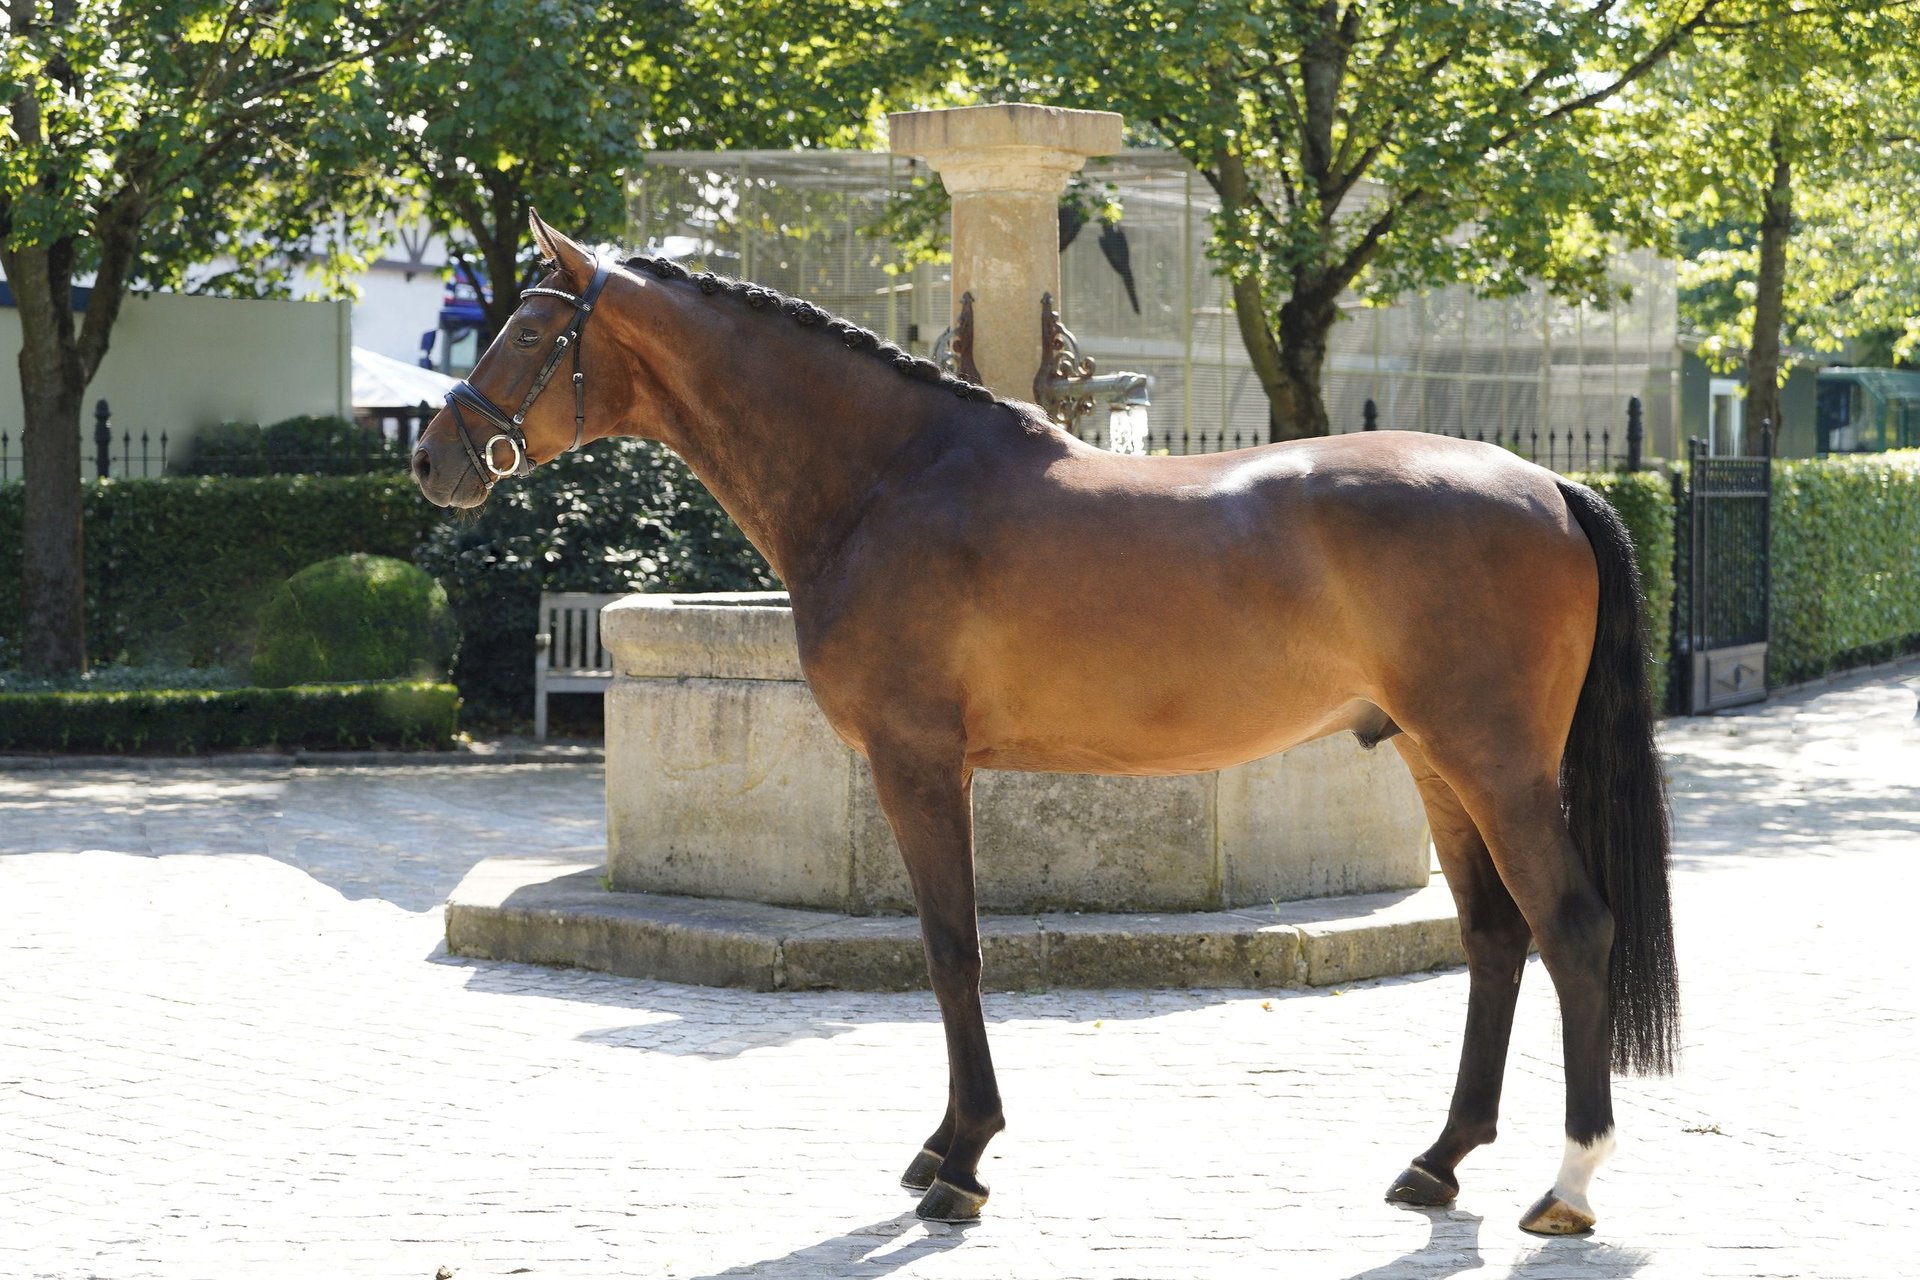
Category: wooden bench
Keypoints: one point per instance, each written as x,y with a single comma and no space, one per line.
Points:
568,656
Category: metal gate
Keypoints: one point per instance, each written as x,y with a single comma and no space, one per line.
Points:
1721,650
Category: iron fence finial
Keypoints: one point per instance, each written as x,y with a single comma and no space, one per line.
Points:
102,438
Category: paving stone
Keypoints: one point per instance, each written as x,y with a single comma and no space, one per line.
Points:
256,1058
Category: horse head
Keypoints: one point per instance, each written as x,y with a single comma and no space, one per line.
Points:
497,422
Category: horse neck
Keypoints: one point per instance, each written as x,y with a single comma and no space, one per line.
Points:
789,431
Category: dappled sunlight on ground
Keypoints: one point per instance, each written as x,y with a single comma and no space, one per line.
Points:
234,1046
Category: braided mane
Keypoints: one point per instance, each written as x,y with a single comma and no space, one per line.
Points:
851,335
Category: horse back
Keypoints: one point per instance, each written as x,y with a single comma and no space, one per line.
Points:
1058,607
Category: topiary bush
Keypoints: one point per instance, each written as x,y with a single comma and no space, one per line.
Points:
229,449
355,618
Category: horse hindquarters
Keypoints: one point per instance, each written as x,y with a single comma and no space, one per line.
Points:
1616,815
1575,828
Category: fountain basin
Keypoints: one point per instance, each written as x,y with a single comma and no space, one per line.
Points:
724,781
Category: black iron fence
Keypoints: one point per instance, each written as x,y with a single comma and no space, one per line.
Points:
1723,601
1570,449
389,441
122,454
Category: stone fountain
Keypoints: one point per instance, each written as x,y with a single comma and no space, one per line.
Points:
744,843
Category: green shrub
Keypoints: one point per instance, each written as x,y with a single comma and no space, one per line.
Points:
303,445
1846,562
620,515
179,569
1644,500
391,714
230,449
355,617
325,446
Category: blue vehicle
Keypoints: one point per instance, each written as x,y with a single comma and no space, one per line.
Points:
462,318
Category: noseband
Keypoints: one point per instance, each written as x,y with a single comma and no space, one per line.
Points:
508,428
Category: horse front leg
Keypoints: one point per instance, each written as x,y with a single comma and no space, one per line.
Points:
928,800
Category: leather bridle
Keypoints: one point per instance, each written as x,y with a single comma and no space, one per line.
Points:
509,427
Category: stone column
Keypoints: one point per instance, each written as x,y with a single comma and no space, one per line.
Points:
1005,166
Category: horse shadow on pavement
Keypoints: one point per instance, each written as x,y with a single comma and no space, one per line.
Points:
1453,1248
857,1255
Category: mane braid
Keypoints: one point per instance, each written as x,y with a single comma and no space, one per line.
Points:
851,335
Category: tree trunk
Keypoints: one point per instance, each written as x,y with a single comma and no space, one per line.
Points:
502,255
53,382
1304,327
1263,351
1763,351
1288,359
499,237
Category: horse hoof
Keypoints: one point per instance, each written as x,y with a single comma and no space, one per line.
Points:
921,1173
945,1202
1421,1185
1553,1216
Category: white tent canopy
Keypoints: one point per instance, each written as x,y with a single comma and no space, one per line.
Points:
381,382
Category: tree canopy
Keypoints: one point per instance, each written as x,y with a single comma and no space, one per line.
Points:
142,141
1783,144
1378,148
510,105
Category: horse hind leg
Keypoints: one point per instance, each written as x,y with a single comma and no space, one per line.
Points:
1531,848
1495,937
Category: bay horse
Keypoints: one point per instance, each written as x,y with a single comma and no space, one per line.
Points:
950,556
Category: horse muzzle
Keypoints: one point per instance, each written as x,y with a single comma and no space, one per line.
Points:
443,471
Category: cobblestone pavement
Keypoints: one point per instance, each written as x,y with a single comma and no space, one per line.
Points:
230,1045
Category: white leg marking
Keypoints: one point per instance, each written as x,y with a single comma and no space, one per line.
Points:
1576,1170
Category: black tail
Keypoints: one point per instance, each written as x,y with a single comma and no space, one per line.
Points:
1616,806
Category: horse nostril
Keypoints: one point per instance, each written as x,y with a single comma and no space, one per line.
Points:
422,466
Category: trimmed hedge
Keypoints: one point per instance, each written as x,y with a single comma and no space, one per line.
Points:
1644,500
386,714
1846,562
179,569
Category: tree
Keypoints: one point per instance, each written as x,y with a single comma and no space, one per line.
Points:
1380,147
140,141
1786,148
512,105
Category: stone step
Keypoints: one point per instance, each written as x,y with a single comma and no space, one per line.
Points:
555,912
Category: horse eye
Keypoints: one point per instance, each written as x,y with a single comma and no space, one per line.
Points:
526,337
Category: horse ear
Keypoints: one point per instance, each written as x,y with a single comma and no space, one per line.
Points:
563,252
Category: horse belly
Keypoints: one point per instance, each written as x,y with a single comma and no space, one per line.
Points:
1184,683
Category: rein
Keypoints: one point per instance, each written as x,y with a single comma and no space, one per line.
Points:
509,428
